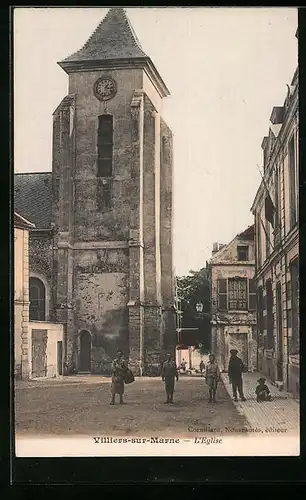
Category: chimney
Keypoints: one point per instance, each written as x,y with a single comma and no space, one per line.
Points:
215,248
277,114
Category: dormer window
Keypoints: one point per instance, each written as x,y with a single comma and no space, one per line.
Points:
243,253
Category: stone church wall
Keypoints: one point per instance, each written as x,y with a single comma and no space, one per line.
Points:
100,289
105,224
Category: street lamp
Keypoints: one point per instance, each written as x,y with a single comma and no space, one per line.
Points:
199,307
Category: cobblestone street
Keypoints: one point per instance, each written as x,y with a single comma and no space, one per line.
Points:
281,415
80,405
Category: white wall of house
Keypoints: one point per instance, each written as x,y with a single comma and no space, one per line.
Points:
55,334
21,300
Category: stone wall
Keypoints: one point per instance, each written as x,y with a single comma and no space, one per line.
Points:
166,235
152,339
112,224
101,297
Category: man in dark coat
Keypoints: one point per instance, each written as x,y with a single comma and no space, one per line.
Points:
169,373
235,370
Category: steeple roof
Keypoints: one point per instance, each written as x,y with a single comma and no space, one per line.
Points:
114,44
114,38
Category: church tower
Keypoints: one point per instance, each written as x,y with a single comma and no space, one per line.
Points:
112,205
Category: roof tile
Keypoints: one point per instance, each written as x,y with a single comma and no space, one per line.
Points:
33,197
113,38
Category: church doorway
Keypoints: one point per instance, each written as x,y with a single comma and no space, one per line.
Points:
85,352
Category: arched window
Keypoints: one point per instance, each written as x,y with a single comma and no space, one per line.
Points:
37,300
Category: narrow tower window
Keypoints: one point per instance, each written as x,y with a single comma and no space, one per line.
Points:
105,146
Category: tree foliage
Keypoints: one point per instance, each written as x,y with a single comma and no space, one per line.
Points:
191,290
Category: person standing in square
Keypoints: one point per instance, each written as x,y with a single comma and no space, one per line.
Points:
235,370
169,374
212,377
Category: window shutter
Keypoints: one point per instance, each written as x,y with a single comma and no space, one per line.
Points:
252,295
289,318
260,309
289,290
222,294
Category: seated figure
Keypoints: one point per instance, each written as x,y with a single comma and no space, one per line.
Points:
262,390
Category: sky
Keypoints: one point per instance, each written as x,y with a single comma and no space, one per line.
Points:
225,68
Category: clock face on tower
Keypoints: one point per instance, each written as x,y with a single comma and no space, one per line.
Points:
105,88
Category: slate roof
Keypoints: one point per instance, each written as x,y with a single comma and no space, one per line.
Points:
20,221
33,197
114,38
248,233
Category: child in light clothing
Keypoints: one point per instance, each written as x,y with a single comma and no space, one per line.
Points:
212,377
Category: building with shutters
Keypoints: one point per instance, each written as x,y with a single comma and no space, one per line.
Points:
275,210
101,253
233,300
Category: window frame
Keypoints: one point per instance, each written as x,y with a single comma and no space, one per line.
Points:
245,248
105,139
238,307
270,315
260,310
292,181
41,300
294,284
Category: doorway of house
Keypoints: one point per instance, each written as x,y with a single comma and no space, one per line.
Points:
39,353
279,326
85,352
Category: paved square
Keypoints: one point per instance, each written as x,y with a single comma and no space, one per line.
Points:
279,416
81,405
